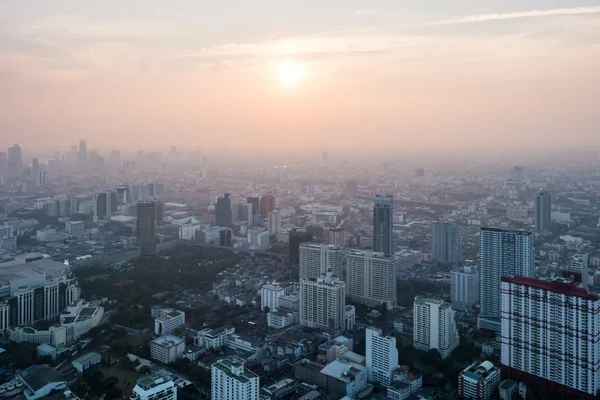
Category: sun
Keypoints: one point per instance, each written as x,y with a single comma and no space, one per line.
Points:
290,73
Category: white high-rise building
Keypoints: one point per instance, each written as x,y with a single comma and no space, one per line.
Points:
318,259
464,287
502,253
269,296
274,223
231,381
381,357
322,302
579,264
434,326
370,278
551,330
154,387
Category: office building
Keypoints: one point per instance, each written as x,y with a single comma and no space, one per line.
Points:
146,227
551,336
269,296
502,253
75,228
337,237
230,380
274,223
434,327
15,161
267,205
225,237
383,233
370,278
167,348
168,321
255,201
223,211
318,259
123,194
381,357
464,287
105,204
322,302
479,381
154,387
543,211
296,237
445,243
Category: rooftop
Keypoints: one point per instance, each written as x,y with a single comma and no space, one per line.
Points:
558,285
149,382
225,366
168,341
38,376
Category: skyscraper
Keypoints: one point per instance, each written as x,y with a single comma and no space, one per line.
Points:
464,287
383,234
82,157
274,223
267,204
579,265
15,161
255,201
322,302
543,211
551,336
225,237
381,357
297,236
146,227
105,203
223,211
370,278
318,259
445,243
502,253
434,326
337,237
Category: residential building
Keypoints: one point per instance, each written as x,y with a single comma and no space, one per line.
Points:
370,278
154,387
551,335
146,227
167,348
269,296
322,302
464,287
168,322
319,259
383,233
381,356
434,327
479,381
445,243
502,253
543,211
230,380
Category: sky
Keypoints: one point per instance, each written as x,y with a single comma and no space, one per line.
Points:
428,76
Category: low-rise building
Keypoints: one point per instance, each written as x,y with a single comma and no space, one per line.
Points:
40,381
167,348
479,381
86,362
154,387
168,322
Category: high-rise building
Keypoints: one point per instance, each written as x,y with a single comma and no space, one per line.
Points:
15,161
82,156
269,296
383,233
146,227
123,194
40,177
267,204
318,259
274,222
225,238
464,287
445,243
223,211
502,253
167,348
296,237
543,211
230,380
154,387
479,381
105,204
35,167
370,278
381,357
579,265
551,336
322,302
255,201
337,237
434,326
519,175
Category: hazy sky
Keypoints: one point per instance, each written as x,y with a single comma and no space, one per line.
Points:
427,75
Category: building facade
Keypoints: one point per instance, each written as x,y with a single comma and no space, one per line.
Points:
319,259
322,302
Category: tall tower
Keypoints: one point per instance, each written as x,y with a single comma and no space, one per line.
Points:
371,278
503,253
146,227
322,302
318,259
15,160
82,157
434,326
543,211
267,204
381,357
445,243
383,235
255,201
274,223
223,211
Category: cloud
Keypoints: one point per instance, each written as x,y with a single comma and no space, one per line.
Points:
519,14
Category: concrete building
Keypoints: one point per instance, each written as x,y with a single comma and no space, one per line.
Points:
274,223
154,387
146,227
223,215
445,243
269,296
337,237
434,327
464,287
86,362
267,204
230,380
502,253
383,234
322,302
579,264
551,336
479,381
40,380
75,228
370,278
543,211
167,349
318,259
352,376
168,322
381,357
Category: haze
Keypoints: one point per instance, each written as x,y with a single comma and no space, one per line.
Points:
431,76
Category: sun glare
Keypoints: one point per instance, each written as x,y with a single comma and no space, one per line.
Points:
290,73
